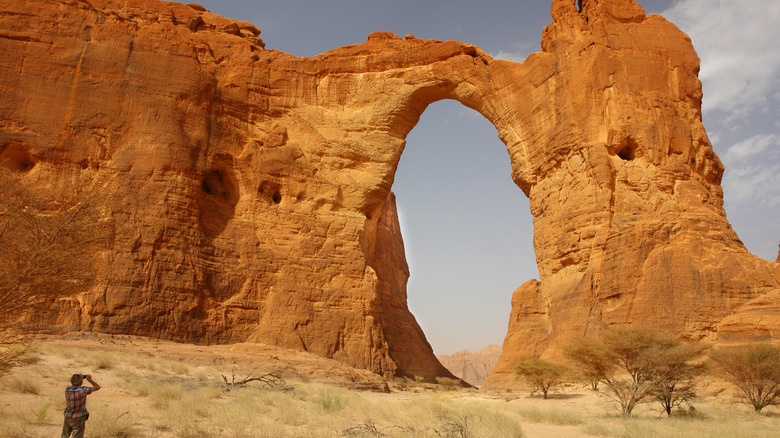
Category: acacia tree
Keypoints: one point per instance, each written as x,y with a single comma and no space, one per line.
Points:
754,369
541,373
49,239
675,370
591,360
638,364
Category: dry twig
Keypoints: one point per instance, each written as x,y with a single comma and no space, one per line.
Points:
271,380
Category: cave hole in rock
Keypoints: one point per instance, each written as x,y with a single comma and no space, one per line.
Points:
466,226
219,197
214,185
626,154
626,149
272,191
16,157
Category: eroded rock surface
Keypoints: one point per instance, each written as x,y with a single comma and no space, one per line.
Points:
249,190
473,368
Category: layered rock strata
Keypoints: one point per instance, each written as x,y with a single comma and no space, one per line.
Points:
249,191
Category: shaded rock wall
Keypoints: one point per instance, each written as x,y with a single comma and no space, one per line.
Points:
249,190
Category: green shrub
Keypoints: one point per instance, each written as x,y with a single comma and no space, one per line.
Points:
330,401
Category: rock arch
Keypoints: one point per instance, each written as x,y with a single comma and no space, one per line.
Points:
602,126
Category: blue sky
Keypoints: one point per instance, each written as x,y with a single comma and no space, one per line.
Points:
466,226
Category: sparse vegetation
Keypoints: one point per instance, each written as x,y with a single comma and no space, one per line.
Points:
272,381
638,364
541,373
547,415
331,400
49,237
49,240
157,402
103,361
755,370
24,385
14,351
111,422
675,369
35,414
163,395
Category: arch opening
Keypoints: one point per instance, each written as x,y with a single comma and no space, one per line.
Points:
467,228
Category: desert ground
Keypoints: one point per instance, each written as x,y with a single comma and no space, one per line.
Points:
162,389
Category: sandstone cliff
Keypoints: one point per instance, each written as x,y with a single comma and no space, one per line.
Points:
472,368
639,237
248,191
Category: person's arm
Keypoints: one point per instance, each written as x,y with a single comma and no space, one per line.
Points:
94,384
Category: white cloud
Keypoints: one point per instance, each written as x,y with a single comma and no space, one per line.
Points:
754,147
753,185
737,44
518,52
752,175
510,56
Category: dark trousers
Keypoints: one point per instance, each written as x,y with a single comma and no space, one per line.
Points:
74,427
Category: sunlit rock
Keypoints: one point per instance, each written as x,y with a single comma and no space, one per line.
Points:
249,191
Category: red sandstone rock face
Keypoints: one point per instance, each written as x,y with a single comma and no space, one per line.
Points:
639,235
249,190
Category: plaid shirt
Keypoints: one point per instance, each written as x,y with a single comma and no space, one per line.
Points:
76,398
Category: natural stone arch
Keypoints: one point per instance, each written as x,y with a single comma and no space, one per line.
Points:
602,126
408,344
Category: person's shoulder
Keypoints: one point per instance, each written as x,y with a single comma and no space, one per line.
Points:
84,389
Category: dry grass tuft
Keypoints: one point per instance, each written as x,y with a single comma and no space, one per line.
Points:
24,385
171,398
34,414
550,415
112,422
163,395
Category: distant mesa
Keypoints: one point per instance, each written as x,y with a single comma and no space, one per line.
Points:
473,368
249,191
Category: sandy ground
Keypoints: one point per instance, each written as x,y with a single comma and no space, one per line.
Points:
152,360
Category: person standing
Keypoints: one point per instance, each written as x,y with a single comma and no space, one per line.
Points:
76,409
